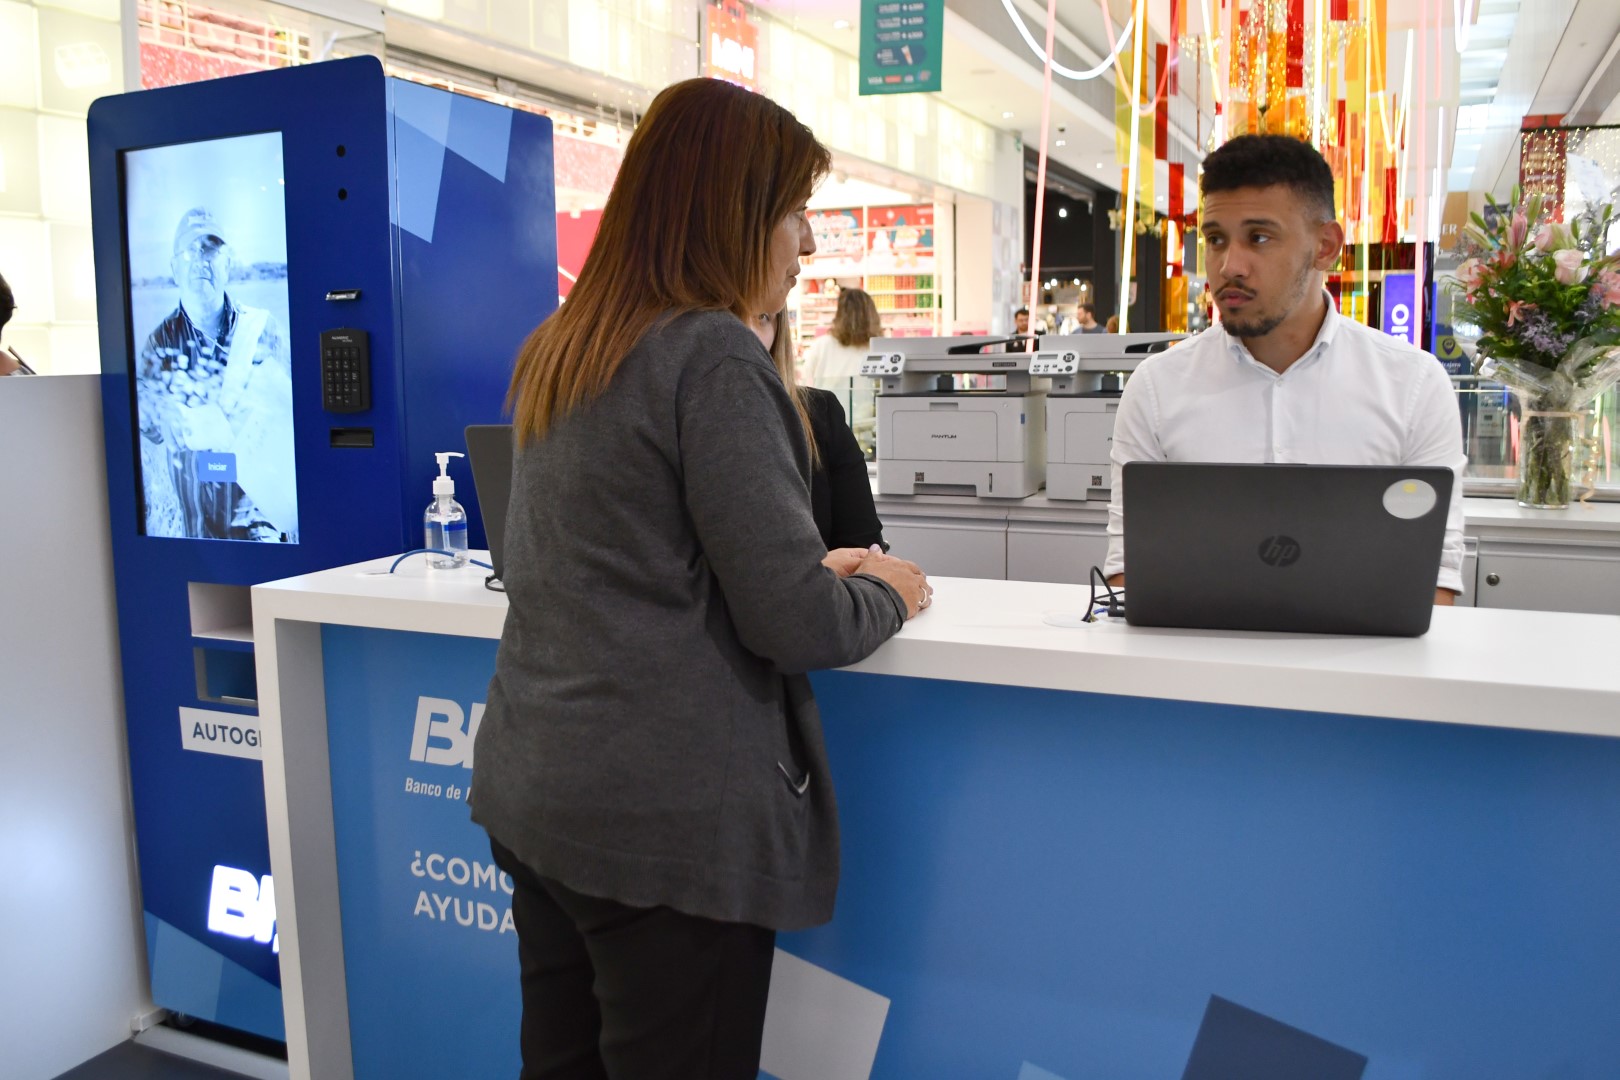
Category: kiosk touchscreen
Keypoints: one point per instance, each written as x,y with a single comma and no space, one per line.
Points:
205,229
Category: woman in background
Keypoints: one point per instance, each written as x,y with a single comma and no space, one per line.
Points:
835,357
10,362
650,766
840,490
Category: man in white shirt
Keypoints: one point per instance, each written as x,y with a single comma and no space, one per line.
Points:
1284,377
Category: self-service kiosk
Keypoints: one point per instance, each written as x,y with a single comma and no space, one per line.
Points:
309,281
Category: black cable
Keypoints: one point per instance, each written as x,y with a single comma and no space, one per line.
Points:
1115,607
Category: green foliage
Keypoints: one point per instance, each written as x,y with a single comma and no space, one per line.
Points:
1531,310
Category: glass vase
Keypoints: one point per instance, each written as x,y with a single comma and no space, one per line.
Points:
1547,457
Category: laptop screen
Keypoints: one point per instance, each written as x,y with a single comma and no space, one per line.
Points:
490,452
1331,549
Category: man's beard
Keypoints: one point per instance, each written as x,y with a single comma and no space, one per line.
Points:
1256,327
1259,325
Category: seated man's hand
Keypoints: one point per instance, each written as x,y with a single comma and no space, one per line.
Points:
1445,598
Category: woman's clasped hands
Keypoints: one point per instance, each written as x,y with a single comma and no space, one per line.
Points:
906,577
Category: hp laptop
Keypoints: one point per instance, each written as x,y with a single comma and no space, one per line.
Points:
1318,549
489,452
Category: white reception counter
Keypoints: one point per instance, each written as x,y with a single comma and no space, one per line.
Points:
1541,671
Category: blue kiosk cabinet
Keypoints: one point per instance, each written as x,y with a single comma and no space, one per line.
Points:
309,282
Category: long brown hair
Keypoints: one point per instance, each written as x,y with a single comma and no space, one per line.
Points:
707,175
782,354
856,320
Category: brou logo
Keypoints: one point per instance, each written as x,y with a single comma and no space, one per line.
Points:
243,906
1279,551
443,734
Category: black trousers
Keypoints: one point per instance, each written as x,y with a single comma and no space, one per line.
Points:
612,992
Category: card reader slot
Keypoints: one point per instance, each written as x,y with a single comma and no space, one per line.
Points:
352,438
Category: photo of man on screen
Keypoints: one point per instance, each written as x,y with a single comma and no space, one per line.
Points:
214,390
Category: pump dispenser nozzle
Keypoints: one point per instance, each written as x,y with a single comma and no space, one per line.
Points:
445,523
444,484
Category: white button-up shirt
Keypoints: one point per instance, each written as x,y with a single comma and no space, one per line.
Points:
1357,397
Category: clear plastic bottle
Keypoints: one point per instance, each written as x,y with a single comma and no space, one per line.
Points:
444,526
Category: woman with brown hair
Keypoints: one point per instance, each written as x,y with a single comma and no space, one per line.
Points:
650,765
840,490
835,357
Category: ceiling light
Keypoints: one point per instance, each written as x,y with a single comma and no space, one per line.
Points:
1063,142
840,24
1006,116
1063,211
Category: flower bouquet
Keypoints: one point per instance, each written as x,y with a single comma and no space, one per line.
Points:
1546,297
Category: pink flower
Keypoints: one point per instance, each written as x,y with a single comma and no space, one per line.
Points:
1553,236
1571,266
1517,230
1517,311
1470,274
1607,288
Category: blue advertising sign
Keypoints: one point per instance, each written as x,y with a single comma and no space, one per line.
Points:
420,892
1044,884
1400,302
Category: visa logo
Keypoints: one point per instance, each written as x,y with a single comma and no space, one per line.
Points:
243,906
443,733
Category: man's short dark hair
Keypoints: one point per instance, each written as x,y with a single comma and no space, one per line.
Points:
8,303
1257,161
1021,311
1089,309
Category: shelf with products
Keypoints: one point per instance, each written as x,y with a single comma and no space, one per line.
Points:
886,250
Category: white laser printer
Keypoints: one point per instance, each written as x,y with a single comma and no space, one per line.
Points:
936,434
1086,374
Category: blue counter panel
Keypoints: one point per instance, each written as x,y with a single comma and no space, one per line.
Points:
1047,884
1065,879
428,950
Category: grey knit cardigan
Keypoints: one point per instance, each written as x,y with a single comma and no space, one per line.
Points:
650,735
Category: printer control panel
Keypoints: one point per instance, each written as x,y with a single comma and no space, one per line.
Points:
1066,363
879,364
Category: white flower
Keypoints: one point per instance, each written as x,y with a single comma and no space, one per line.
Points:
1571,266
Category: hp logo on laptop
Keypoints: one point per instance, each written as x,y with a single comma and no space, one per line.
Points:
1279,551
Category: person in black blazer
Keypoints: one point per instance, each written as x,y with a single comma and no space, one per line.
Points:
840,491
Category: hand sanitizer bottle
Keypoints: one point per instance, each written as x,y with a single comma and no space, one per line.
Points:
445,523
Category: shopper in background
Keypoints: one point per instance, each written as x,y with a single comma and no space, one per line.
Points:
650,766
1296,382
10,362
840,489
1087,318
1112,325
835,357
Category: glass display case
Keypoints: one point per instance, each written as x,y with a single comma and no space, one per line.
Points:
1490,422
